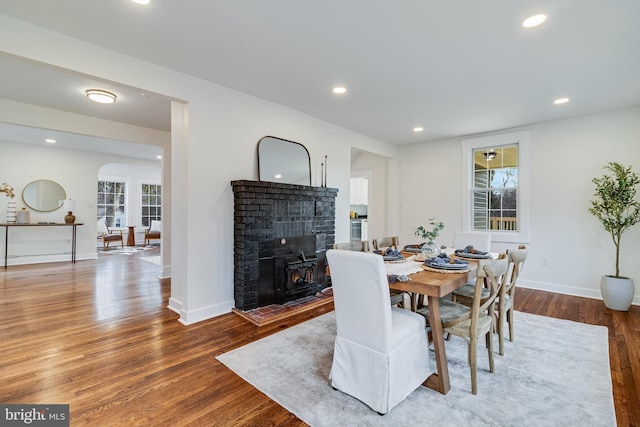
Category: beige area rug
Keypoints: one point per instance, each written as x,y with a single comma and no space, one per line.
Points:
152,259
556,373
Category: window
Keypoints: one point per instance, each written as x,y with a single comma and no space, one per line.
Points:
496,177
111,203
151,203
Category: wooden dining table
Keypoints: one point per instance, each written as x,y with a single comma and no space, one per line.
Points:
435,285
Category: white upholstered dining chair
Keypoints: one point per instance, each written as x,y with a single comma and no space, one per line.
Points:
478,239
381,352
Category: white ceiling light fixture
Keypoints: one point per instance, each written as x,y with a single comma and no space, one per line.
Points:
158,157
561,101
418,129
339,90
534,21
101,96
50,140
141,1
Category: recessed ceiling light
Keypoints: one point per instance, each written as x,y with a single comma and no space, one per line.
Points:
561,101
277,176
50,141
141,1
101,96
158,157
339,89
533,21
418,129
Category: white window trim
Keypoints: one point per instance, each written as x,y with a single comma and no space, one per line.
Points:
523,234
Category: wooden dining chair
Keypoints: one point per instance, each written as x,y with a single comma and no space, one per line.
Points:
507,294
357,246
476,321
386,242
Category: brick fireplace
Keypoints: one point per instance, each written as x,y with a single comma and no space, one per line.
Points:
281,235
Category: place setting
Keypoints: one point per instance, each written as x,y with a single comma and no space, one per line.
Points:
469,252
443,263
390,254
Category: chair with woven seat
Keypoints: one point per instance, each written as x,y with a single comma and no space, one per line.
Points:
109,236
358,246
476,321
386,242
381,353
507,294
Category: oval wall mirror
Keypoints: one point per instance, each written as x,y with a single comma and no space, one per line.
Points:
43,195
283,161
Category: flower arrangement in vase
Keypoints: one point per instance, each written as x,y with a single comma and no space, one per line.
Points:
11,206
430,248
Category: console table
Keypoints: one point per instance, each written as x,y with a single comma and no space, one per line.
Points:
73,226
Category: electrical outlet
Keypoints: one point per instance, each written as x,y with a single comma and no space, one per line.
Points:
545,261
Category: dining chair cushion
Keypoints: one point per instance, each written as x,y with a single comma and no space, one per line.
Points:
465,293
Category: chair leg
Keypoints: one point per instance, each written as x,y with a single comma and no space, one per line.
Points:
472,365
501,320
490,349
510,320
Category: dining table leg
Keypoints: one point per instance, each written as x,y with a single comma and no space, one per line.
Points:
440,380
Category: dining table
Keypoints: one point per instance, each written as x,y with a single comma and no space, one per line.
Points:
434,285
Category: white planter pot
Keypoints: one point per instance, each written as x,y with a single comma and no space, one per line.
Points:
617,292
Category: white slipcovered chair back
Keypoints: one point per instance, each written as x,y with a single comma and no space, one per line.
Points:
478,239
381,353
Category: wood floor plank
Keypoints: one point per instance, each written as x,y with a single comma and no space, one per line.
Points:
97,335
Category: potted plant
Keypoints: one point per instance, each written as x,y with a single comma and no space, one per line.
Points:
430,248
616,207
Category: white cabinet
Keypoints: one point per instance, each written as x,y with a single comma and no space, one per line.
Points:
359,191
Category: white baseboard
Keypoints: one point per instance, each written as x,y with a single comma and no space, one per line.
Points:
195,316
567,290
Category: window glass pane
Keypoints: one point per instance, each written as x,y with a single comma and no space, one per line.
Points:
495,188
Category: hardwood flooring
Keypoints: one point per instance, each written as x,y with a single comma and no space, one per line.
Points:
97,335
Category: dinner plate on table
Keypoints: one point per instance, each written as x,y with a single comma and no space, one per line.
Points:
413,248
459,265
461,253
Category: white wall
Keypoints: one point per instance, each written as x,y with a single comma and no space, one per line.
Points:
564,157
216,145
77,173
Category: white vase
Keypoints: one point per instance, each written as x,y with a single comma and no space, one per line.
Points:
617,292
11,211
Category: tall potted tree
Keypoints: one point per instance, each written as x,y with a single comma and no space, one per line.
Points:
616,207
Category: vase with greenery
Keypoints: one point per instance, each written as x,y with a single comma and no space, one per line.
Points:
616,207
430,247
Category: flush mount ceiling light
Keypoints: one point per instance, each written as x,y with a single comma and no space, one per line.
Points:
561,101
50,140
141,1
101,96
490,155
339,90
418,129
533,21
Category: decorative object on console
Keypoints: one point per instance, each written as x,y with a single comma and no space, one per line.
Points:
24,216
11,205
69,206
616,207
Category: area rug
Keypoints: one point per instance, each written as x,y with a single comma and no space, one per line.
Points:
555,373
127,250
152,259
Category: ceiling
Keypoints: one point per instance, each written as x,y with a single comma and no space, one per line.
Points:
454,68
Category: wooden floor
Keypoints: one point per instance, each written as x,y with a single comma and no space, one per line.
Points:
97,335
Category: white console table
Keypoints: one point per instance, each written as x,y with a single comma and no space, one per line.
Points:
73,226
